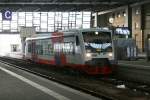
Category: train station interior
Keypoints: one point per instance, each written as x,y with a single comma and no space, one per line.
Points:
75,49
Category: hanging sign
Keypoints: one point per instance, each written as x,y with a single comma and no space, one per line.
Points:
6,15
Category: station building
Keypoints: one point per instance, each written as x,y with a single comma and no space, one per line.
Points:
54,16
135,16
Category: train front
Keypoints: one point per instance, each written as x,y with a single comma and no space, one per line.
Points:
98,51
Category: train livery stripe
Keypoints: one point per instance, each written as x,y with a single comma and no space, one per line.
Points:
42,61
92,70
63,59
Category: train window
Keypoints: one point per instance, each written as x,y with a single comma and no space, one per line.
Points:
29,48
39,49
50,49
77,41
47,49
66,47
97,42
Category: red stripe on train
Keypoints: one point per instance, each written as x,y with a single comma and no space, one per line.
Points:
91,70
42,61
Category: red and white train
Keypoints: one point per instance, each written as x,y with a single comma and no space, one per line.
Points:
86,50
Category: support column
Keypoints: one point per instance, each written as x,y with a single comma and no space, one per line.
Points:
23,45
95,21
129,19
148,47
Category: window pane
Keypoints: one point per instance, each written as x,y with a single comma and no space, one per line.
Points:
36,14
21,14
43,25
0,24
6,25
29,24
14,16
0,16
21,19
46,21
36,22
14,25
37,29
21,22
51,29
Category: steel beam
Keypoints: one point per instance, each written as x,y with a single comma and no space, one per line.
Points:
58,3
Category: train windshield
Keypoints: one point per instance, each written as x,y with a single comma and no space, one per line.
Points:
97,42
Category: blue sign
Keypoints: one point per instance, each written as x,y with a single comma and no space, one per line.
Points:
6,15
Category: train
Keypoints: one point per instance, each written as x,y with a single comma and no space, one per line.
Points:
86,50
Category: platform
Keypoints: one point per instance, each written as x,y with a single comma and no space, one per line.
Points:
137,63
138,70
16,84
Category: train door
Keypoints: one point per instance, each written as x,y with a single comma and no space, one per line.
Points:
33,55
59,57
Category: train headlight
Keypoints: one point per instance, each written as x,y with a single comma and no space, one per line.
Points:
110,54
88,55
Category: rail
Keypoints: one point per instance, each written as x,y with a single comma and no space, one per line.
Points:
104,88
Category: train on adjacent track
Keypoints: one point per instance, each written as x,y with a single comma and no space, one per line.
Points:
86,50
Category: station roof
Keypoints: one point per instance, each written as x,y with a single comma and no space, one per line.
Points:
64,5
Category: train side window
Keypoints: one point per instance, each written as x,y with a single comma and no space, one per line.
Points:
29,48
77,41
50,49
39,49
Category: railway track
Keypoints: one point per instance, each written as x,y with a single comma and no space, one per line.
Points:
106,88
142,72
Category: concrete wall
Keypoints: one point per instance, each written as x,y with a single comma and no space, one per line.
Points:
6,40
120,18
103,20
137,18
118,15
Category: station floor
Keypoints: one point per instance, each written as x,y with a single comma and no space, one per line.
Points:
16,84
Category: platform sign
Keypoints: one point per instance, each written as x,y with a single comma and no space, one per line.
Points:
6,15
122,30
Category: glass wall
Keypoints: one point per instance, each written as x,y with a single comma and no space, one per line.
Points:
46,21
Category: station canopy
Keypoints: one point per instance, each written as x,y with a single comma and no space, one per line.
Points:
63,5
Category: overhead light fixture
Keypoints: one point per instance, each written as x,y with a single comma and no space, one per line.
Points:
96,33
119,15
124,14
111,20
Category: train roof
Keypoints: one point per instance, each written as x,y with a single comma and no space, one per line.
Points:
87,29
48,36
68,32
